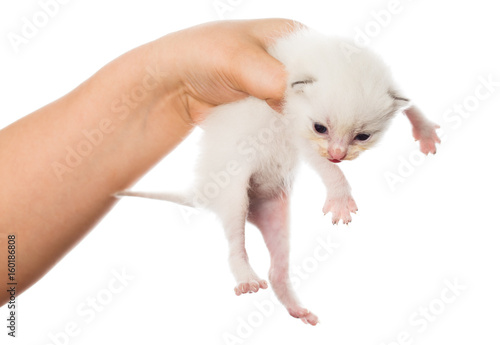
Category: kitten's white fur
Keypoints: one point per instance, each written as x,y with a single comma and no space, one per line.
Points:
249,151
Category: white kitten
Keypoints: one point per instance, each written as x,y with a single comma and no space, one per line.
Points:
339,102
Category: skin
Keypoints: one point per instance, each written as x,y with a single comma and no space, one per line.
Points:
143,104
423,130
271,216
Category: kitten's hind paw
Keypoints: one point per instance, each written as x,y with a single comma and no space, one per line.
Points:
341,208
305,315
250,286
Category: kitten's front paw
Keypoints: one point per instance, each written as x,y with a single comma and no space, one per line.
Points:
426,134
341,208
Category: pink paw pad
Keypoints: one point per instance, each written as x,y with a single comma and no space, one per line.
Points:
340,208
250,287
427,136
305,315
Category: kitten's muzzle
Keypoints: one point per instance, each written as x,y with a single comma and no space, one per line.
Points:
336,155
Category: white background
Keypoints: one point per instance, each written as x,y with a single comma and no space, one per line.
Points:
438,224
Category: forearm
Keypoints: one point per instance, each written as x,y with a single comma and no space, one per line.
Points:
333,178
61,165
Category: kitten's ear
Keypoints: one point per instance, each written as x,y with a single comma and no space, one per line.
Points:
300,85
400,102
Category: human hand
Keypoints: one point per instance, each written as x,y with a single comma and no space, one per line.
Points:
139,106
222,62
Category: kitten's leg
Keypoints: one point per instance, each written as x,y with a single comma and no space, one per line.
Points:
271,217
231,205
339,200
423,130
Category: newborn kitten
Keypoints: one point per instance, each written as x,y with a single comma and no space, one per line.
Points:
340,100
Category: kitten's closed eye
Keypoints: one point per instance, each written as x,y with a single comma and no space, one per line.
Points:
302,82
362,137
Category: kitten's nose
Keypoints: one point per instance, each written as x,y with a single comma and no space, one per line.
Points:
337,153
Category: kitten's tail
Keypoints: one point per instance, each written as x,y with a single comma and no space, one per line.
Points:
178,198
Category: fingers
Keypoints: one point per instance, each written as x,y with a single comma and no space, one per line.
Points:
264,77
266,31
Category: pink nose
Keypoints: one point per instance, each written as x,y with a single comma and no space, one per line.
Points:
337,154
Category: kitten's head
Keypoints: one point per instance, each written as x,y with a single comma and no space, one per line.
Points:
340,97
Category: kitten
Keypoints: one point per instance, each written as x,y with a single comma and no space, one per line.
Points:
339,102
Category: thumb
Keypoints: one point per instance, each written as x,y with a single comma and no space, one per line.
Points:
264,77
